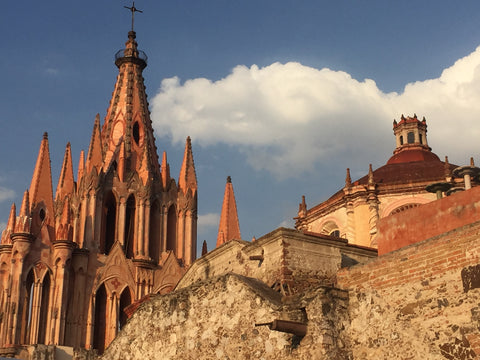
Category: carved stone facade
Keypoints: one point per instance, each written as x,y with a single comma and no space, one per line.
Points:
354,211
69,265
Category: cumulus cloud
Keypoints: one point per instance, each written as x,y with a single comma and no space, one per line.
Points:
289,118
6,194
208,220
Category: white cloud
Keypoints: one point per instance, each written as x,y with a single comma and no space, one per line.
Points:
3,226
6,194
52,71
289,118
208,220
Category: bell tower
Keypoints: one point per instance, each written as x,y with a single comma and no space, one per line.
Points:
71,263
410,132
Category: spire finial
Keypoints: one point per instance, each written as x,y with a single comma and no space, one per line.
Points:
348,179
133,9
370,175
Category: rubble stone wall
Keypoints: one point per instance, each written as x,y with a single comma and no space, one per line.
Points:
216,319
211,320
419,302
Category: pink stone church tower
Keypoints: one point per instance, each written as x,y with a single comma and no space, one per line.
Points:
123,229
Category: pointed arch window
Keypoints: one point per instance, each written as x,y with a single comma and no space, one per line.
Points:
70,311
100,319
171,229
28,306
109,220
130,227
44,310
125,300
154,232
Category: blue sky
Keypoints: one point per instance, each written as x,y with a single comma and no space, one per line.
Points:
281,95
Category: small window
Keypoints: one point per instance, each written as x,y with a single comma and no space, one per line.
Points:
401,140
421,139
136,132
335,233
410,137
42,214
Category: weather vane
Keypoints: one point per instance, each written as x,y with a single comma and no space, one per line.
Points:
133,9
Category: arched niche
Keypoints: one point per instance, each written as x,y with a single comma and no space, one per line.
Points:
100,324
125,300
44,309
154,231
109,222
171,229
129,245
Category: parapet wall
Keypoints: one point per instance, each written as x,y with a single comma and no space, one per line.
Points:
419,302
428,220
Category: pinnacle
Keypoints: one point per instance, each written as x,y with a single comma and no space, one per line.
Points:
229,227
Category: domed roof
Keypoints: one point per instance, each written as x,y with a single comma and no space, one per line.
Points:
409,172
410,155
412,164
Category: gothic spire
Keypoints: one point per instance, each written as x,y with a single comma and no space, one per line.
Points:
66,183
64,229
188,178
22,223
10,226
229,227
128,118
81,166
41,193
94,156
165,171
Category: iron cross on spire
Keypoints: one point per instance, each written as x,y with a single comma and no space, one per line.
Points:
133,9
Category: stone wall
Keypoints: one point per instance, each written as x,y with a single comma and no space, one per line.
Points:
216,319
211,320
285,259
419,302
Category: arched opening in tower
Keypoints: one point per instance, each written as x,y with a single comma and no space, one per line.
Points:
28,307
154,234
171,229
71,309
44,304
109,220
100,319
125,300
130,227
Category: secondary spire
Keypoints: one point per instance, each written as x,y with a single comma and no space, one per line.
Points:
229,227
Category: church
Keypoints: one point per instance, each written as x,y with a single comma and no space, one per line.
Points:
354,211
72,260
109,258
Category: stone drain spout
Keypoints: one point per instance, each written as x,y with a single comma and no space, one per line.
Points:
286,326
